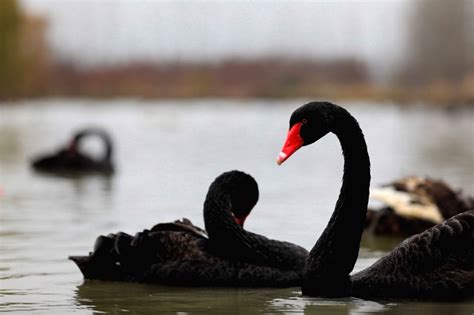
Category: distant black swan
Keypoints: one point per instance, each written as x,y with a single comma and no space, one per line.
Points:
412,204
435,264
181,254
71,160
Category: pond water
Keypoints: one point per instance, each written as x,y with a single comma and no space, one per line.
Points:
167,153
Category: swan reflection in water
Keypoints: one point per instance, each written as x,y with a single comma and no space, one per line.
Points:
113,297
110,297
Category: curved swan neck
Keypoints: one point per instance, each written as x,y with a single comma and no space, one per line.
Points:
108,148
228,239
103,136
218,218
333,257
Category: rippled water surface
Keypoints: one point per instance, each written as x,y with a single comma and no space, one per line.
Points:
167,153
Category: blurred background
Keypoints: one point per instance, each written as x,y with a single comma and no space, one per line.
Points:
378,50
190,89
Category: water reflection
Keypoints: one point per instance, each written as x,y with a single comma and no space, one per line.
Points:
307,305
135,298
353,306
139,298
81,181
379,243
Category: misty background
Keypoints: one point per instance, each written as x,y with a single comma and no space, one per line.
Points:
396,50
190,89
211,31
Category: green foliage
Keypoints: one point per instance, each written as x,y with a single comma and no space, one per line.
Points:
10,57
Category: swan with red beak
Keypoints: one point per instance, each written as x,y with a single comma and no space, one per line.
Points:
293,142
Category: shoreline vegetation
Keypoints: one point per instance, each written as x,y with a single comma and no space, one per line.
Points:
31,69
273,78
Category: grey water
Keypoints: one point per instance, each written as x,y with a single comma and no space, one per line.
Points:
166,154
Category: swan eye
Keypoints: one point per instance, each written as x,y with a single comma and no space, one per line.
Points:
304,121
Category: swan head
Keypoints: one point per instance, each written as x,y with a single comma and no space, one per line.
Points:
308,124
242,190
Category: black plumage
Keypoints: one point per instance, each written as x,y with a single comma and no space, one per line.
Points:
436,264
70,160
181,254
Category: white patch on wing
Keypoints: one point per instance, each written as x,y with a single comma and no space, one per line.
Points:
404,204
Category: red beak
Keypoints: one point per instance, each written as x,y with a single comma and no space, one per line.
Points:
240,221
293,142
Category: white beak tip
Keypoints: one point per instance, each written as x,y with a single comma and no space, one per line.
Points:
281,158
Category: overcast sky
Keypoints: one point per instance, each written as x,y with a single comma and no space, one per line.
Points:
91,32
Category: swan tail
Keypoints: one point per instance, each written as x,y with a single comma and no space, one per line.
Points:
118,257
102,263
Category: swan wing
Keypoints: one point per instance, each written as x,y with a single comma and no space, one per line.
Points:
178,258
122,257
184,225
435,264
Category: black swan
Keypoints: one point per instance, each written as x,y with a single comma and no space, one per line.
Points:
412,204
435,264
181,254
71,160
